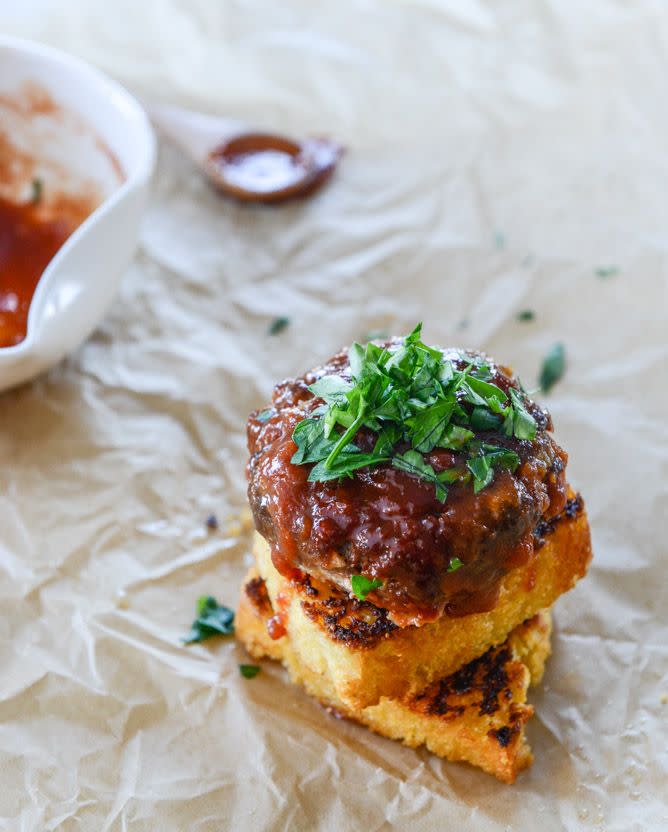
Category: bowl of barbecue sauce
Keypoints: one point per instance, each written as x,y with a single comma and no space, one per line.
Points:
76,157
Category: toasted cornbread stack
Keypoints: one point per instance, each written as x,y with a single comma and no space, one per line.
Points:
457,686
415,527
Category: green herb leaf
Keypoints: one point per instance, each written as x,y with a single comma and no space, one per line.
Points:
356,355
526,315
482,392
362,586
37,189
409,395
499,239
455,437
264,415
413,463
483,473
554,365
332,389
524,425
213,619
278,325
482,419
249,671
454,564
426,427
490,457
607,271
344,466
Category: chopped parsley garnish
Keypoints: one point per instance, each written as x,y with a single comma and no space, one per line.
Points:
414,400
454,564
362,586
278,325
249,671
213,619
553,367
37,189
525,315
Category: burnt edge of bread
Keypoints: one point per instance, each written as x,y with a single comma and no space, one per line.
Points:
573,508
256,591
356,624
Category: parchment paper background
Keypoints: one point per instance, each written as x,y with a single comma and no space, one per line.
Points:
499,154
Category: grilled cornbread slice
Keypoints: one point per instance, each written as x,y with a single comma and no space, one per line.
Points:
476,714
365,656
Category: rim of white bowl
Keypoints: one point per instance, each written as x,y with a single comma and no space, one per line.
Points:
133,179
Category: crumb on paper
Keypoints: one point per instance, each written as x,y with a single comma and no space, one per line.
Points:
212,522
122,600
664,699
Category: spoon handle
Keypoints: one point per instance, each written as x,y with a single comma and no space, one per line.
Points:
195,133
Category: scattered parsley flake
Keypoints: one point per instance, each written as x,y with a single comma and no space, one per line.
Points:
278,325
213,619
554,365
606,271
249,671
525,315
362,586
454,564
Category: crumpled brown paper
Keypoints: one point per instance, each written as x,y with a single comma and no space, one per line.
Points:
499,155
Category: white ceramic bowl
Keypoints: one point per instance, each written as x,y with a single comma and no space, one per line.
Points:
79,283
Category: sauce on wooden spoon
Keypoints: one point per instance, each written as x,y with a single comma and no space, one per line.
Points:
261,167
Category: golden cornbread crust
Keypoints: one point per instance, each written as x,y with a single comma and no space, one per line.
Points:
363,656
476,714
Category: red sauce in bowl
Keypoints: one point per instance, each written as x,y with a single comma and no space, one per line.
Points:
27,244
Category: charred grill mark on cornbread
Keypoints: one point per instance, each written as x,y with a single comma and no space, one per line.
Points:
357,624
486,678
487,693
386,524
256,590
573,508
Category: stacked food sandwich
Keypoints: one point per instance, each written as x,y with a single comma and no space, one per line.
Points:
414,528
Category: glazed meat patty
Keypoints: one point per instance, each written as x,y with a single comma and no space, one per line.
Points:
389,525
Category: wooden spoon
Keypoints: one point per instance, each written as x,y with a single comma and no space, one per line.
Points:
249,166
